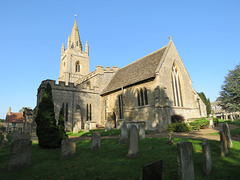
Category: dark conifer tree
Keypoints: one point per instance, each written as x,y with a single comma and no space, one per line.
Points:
47,130
61,126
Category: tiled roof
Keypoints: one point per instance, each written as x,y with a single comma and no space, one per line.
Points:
135,72
14,117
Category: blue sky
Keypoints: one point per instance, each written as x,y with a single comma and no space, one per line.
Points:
206,35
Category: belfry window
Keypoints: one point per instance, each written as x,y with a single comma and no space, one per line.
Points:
77,67
177,94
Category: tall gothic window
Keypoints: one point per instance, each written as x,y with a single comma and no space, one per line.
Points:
89,112
77,67
120,103
177,94
142,97
66,112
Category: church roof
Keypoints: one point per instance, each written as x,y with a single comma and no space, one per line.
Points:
140,70
14,117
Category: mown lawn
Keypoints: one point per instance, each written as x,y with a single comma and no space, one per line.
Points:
110,162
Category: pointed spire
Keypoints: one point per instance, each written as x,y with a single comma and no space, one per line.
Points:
75,38
69,42
9,111
63,49
87,48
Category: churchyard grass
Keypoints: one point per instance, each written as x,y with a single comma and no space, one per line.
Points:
110,161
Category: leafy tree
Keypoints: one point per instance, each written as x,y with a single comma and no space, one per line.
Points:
230,95
61,126
206,102
47,130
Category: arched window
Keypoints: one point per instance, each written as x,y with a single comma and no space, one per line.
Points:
89,112
138,97
141,94
145,96
120,104
177,94
77,67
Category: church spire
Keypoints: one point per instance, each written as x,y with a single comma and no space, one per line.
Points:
75,38
63,49
87,48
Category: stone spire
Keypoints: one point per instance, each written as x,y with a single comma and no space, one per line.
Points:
69,42
75,38
87,48
9,111
63,49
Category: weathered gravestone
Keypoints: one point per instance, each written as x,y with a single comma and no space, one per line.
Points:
227,135
123,138
86,127
133,142
20,156
142,131
68,149
152,171
77,127
185,161
207,158
223,142
96,140
4,142
17,136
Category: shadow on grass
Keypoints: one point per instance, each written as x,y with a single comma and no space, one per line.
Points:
110,161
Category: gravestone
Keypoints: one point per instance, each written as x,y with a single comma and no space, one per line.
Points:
142,131
185,161
211,125
68,149
4,142
108,126
96,140
152,171
86,127
77,127
123,138
207,158
20,156
17,136
133,142
223,142
227,135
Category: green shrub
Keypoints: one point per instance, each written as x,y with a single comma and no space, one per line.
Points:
177,118
199,124
179,127
215,121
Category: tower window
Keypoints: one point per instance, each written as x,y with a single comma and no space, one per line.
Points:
77,67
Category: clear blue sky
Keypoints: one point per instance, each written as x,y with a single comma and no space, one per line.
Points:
206,34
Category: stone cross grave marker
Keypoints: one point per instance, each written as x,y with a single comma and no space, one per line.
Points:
185,161
223,142
133,142
20,156
207,158
152,171
96,140
4,142
123,138
68,149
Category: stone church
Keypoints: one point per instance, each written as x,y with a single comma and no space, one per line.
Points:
149,90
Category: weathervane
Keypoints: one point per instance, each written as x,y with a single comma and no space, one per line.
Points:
75,16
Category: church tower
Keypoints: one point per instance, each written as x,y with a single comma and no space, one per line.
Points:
74,62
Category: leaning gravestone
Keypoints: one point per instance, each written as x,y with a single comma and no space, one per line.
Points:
185,161
152,171
133,142
227,135
142,131
20,154
207,158
123,138
68,149
223,142
96,140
